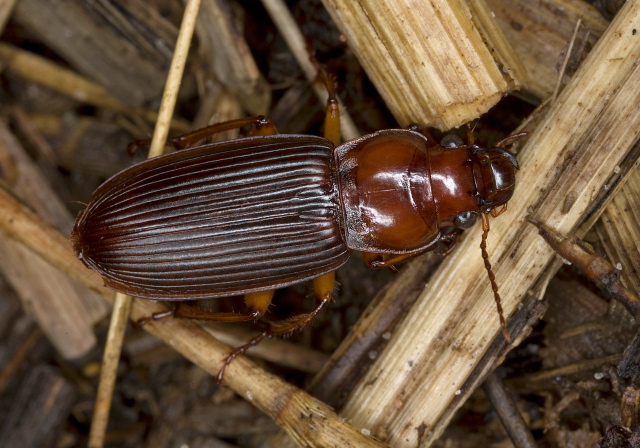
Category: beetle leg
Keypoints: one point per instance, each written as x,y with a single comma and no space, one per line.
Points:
155,316
133,147
502,142
332,113
323,287
495,212
239,351
186,311
379,260
295,323
431,138
257,302
261,125
447,242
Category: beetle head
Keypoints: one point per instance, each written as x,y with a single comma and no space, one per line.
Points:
495,176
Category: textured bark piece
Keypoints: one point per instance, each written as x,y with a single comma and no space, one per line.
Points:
125,46
64,310
438,63
540,31
39,411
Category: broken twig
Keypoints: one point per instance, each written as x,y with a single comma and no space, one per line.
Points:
595,267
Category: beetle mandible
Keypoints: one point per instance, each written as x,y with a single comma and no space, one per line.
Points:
251,215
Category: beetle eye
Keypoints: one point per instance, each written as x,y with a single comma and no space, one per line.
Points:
451,141
465,220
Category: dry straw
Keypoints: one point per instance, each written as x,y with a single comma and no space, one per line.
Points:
122,304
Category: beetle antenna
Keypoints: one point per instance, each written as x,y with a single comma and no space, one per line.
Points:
492,277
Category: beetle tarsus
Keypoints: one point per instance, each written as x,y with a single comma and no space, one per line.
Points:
502,142
239,351
133,147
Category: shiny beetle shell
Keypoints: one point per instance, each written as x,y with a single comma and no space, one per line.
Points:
216,220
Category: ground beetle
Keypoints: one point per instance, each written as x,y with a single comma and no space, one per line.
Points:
251,215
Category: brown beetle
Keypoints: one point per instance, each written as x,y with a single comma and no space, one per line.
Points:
255,214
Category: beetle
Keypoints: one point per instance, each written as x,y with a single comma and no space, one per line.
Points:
254,214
